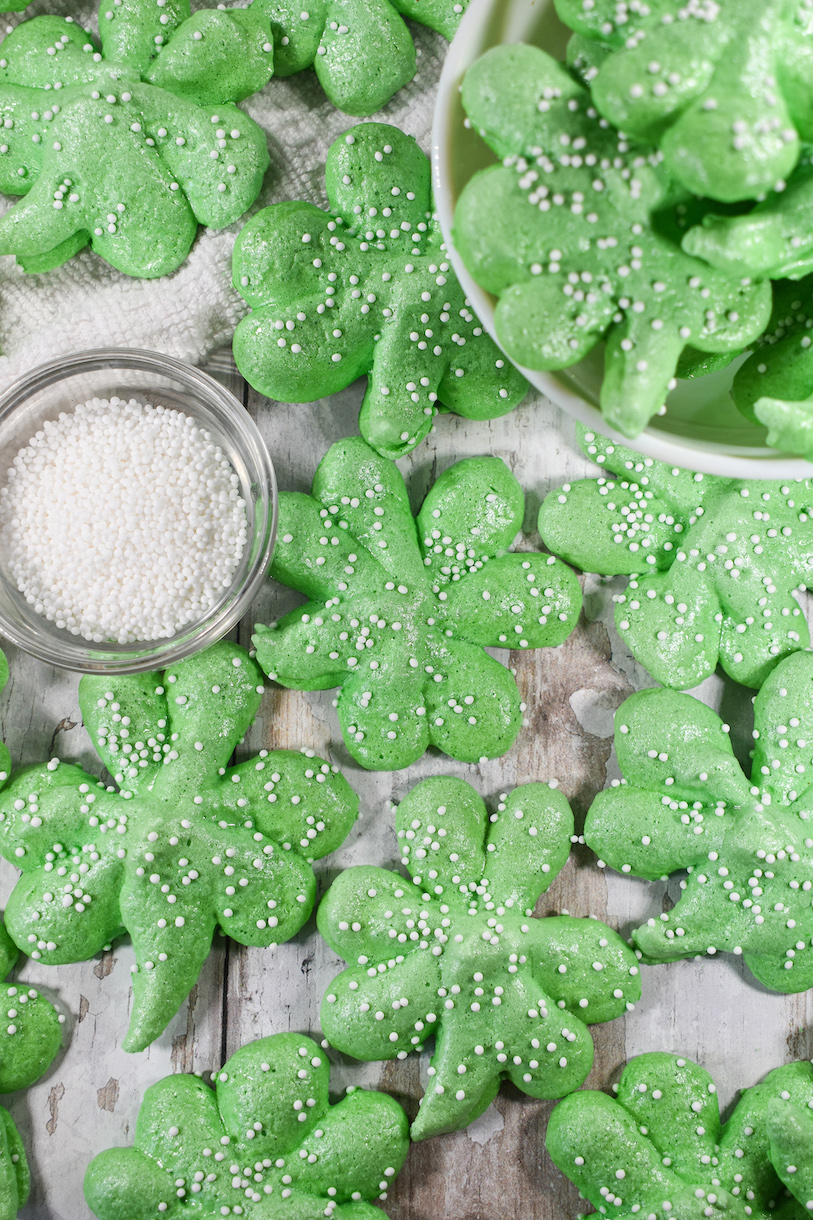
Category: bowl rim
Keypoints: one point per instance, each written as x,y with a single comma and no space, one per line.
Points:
143,656
706,457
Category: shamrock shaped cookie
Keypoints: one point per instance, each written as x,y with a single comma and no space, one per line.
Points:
129,148
746,844
724,88
183,844
402,609
715,563
775,384
773,240
264,1143
562,232
454,953
659,1150
366,288
362,50
30,1037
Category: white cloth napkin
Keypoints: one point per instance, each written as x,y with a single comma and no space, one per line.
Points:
87,304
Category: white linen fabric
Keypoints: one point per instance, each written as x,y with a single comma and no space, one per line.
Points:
87,304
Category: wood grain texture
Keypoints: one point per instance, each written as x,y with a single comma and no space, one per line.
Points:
708,1010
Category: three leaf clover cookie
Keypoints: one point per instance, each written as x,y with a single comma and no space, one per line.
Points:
563,231
182,844
366,288
129,147
715,563
659,1150
724,89
265,1142
746,844
455,954
362,50
401,609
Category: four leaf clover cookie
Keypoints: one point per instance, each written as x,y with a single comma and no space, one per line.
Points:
723,88
715,562
183,844
362,50
401,609
455,955
131,147
265,1142
562,232
659,1150
746,844
366,288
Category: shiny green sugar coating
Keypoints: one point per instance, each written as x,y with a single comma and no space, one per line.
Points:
455,955
746,844
362,50
367,288
15,1178
183,842
401,609
575,232
775,384
265,1143
658,1150
715,563
130,147
724,88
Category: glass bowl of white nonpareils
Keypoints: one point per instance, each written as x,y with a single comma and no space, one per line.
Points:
138,509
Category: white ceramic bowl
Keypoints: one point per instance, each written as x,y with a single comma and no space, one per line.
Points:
702,429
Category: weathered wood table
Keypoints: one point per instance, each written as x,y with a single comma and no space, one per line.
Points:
498,1168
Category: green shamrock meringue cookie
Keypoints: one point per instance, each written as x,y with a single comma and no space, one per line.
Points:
725,89
401,609
454,954
30,1038
575,233
264,1143
659,1150
773,240
366,288
362,50
746,844
131,147
775,384
715,563
183,844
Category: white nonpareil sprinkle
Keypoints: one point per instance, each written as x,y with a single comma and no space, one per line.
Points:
123,521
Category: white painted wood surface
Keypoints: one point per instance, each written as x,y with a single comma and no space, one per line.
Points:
90,1098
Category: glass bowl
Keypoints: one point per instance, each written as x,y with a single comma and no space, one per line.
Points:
148,376
702,429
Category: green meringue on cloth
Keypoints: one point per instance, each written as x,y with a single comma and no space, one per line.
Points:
455,955
714,563
362,50
659,1150
264,1143
745,843
402,608
367,288
182,844
575,232
725,89
129,144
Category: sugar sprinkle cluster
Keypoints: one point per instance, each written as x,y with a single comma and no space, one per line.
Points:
123,521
